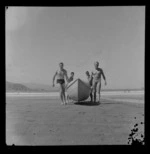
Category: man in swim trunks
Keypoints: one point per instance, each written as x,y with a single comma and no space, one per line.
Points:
97,79
61,74
68,81
90,80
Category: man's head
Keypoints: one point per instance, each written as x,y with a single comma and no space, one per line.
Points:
87,73
72,74
96,64
61,65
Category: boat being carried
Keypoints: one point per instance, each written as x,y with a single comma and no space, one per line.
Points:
78,90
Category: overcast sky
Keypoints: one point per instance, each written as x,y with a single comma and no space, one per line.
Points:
38,38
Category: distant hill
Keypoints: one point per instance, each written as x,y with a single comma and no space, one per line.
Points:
12,87
29,87
39,86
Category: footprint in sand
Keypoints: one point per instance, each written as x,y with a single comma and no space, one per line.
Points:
81,113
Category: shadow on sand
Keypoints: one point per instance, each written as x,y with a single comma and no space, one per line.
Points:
103,101
87,103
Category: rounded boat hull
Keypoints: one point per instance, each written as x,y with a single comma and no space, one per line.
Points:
78,90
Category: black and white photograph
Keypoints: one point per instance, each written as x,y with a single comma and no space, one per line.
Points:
75,75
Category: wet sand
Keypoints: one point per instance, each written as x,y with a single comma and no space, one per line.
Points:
44,121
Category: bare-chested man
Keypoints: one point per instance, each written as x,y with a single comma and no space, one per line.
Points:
70,79
61,74
90,80
97,79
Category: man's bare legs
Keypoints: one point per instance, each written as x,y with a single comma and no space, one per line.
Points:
94,90
62,93
91,96
99,90
69,100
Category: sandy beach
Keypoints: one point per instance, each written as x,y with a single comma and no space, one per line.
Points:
44,121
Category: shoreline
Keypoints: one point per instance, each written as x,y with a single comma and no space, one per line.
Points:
103,93
119,97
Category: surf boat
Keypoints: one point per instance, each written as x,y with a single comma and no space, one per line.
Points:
78,90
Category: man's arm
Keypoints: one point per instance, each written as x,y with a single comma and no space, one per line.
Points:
54,78
103,76
92,74
66,75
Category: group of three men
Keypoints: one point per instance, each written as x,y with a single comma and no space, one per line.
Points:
94,80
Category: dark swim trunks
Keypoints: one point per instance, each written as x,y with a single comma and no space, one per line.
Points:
61,81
